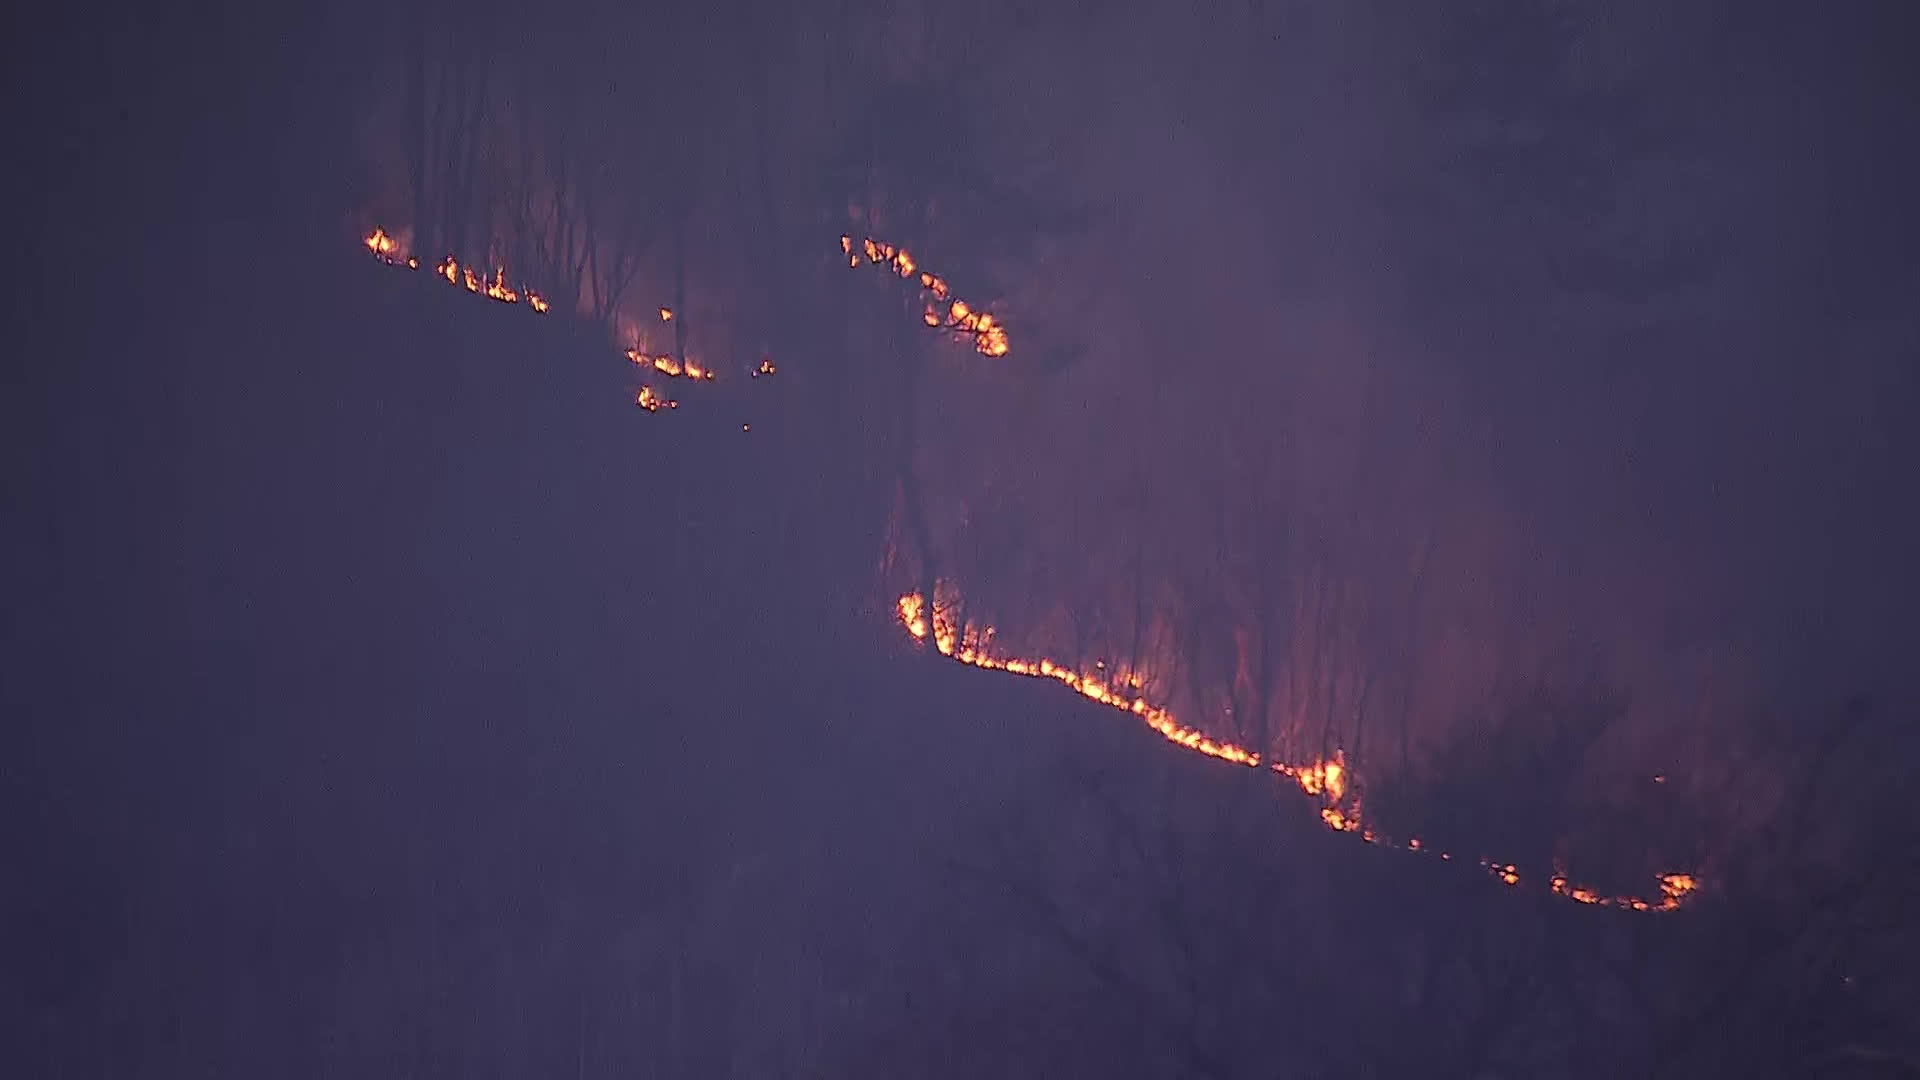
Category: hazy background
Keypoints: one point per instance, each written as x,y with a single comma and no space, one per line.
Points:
325,639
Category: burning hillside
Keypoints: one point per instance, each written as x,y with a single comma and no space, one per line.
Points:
493,287
941,309
1327,779
496,286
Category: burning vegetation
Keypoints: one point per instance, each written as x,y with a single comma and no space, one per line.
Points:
493,287
1328,779
942,311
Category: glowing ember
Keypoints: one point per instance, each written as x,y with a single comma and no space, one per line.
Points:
1675,888
386,249
650,400
1328,780
665,364
496,286
942,311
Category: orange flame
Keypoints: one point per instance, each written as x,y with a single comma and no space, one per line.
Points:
941,311
665,364
1328,779
496,287
1325,779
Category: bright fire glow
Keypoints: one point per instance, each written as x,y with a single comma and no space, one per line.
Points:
942,310
1327,780
495,287
665,364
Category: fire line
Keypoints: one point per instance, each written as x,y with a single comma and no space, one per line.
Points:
1326,780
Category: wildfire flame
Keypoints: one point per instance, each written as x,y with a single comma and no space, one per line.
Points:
665,364
649,399
496,287
1327,780
943,311
387,250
